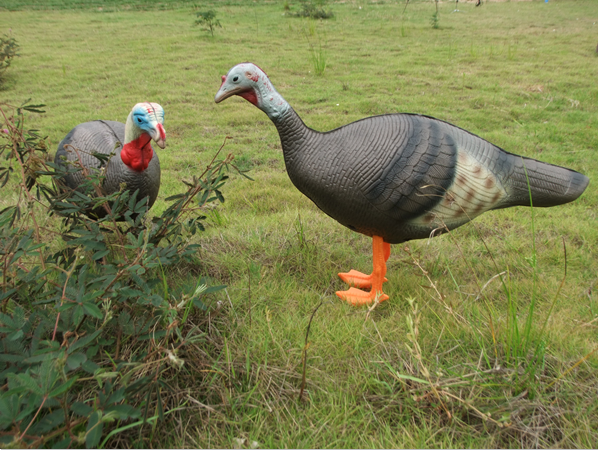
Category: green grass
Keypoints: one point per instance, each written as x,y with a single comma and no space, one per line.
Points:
440,364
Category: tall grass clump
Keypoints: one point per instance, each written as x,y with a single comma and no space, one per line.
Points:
91,331
512,387
317,51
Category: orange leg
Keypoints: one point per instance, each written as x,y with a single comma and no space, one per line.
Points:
356,296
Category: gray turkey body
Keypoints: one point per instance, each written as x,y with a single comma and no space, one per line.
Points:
105,137
407,176
398,177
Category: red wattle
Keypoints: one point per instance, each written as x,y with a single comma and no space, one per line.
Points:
137,154
249,96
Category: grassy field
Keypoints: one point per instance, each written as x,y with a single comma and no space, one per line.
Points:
456,357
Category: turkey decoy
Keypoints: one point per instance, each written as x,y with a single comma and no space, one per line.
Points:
399,177
134,164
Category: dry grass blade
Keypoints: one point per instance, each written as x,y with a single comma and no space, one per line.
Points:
306,346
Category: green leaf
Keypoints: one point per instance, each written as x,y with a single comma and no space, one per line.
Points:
45,356
77,315
47,423
156,300
9,409
128,292
34,402
94,430
75,360
214,289
92,310
65,306
84,341
65,443
48,375
25,380
91,351
15,335
124,411
34,109
7,294
91,295
90,367
100,254
81,409
116,397
61,389
175,197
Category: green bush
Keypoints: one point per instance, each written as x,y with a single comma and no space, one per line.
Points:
314,9
8,50
208,20
91,332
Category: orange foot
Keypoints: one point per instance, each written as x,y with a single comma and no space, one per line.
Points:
357,297
354,296
358,279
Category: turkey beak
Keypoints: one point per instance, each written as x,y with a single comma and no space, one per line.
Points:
222,92
159,136
225,91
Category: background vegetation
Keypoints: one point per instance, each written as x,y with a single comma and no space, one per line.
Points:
459,357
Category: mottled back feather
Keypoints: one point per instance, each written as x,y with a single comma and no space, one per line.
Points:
405,176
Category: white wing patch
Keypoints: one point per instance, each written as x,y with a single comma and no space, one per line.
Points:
474,191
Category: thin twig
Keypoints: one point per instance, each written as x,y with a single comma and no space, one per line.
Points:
34,417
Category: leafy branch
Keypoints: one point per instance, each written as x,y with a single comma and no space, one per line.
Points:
94,308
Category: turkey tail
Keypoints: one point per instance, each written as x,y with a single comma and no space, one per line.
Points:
549,185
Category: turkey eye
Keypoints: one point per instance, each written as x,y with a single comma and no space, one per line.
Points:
139,119
236,79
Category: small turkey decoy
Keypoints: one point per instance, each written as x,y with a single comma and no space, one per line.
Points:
134,164
399,177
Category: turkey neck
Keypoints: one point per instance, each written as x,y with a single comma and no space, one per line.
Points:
137,151
295,136
299,142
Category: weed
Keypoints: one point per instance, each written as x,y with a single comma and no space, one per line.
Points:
317,53
313,9
208,20
8,51
403,28
435,19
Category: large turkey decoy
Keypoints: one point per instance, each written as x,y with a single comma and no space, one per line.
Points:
134,164
398,177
